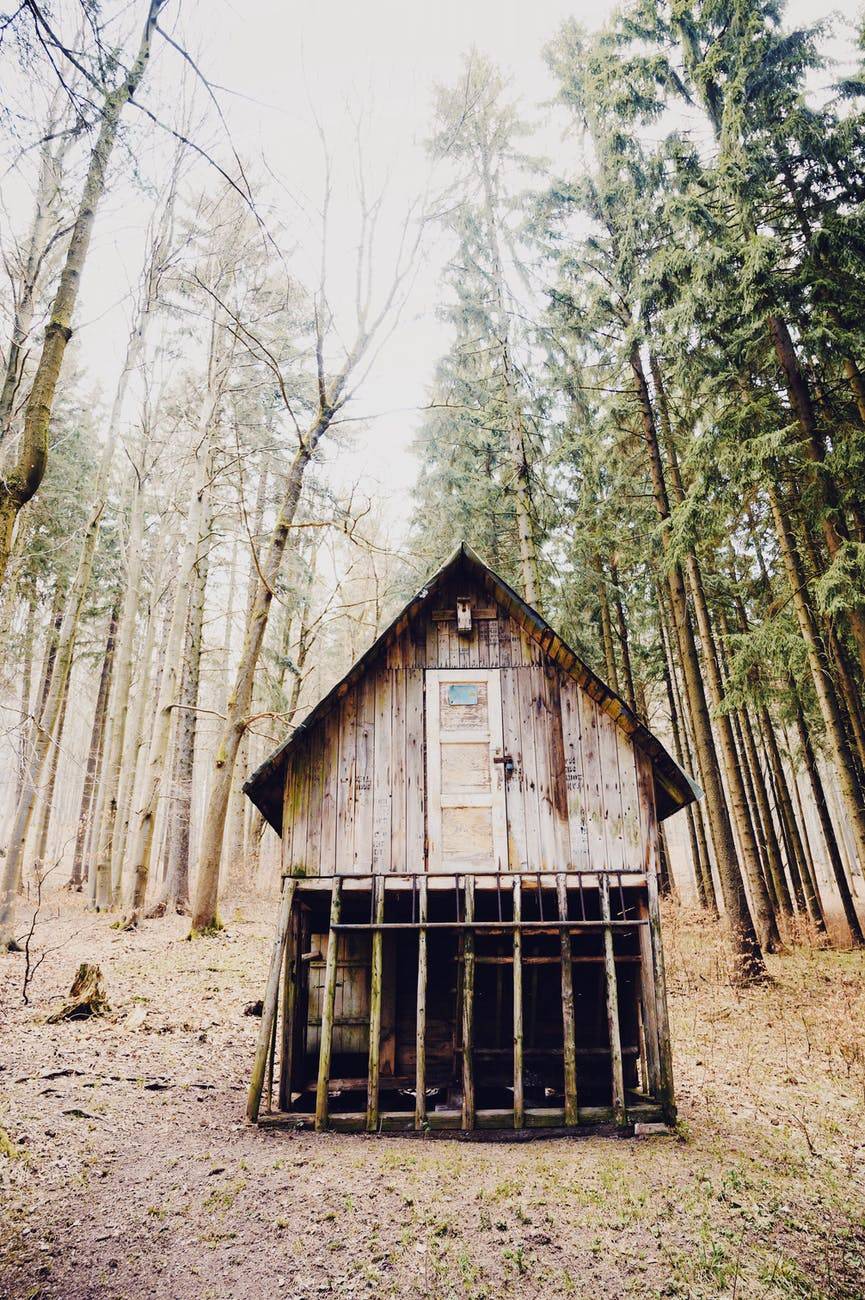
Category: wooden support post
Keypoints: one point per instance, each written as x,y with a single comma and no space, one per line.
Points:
519,1097
618,1079
569,1042
469,1008
289,1013
650,1019
328,996
376,965
665,1057
420,1031
271,994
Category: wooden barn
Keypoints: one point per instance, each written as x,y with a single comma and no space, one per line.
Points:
468,935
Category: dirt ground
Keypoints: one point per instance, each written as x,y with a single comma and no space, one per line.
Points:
133,1173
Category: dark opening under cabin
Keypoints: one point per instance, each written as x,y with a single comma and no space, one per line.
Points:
468,934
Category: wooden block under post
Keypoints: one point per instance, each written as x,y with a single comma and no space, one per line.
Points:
569,1042
519,1097
375,1009
271,994
618,1078
420,1027
328,995
468,1117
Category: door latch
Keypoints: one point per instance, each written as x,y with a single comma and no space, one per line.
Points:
507,760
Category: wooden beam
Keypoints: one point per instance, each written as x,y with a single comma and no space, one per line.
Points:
519,1098
665,1057
289,1012
420,1028
268,1010
375,1010
618,1078
647,1000
468,1114
569,1043
328,996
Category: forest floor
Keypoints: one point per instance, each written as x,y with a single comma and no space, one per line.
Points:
132,1172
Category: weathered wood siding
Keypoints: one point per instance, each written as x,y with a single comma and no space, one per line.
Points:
580,795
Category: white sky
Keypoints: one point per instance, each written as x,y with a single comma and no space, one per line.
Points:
281,60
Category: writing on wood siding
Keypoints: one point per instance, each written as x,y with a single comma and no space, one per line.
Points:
580,795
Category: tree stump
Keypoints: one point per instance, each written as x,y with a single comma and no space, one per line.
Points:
86,997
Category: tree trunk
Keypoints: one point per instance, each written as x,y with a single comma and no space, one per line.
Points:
825,691
46,802
624,640
21,480
705,890
764,913
94,753
204,909
606,628
176,890
142,828
24,739
747,954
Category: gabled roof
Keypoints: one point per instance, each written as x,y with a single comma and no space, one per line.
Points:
674,789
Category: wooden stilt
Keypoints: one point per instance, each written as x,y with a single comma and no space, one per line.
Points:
271,994
519,1097
468,1118
420,1030
650,1019
618,1079
665,1057
328,996
569,1044
375,1009
289,1013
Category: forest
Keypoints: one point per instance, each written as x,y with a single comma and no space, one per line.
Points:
256,383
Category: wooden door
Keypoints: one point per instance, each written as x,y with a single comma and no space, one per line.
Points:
467,818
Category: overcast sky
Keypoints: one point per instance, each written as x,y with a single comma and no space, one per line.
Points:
282,62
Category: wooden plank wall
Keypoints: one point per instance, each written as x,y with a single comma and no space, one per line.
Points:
355,786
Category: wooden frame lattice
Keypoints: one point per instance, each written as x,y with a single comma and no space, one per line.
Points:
653,1024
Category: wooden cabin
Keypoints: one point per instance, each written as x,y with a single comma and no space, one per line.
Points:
468,935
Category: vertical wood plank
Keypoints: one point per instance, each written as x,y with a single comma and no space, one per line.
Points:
382,843
529,767
329,796
271,994
398,770
633,844
596,844
558,781
647,998
468,1116
415,789
312,857
346,790
512,740
328,998
372,1095
617,1074
363,810
574,776
569,1043
420,1023
612,793
519,1094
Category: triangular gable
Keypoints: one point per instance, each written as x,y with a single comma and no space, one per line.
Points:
674,789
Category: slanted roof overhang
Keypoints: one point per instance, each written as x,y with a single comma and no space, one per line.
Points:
674,789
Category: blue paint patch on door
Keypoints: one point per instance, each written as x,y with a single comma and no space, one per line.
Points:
462,693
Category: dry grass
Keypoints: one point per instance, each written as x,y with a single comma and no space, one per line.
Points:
138,1177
